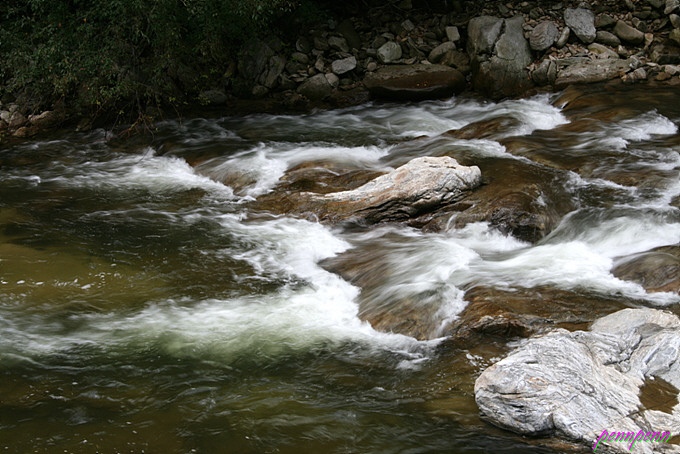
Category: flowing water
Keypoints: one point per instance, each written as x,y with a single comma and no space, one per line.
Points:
147,305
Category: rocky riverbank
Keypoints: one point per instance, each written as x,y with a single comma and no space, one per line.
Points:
399,52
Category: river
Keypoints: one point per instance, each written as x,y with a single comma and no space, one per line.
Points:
147,306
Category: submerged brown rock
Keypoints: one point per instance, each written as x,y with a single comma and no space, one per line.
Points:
657,270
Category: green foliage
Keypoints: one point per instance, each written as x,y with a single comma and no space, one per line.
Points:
123,53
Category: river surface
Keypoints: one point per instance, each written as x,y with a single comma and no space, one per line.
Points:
147,306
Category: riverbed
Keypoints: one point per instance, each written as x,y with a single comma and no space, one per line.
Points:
149,304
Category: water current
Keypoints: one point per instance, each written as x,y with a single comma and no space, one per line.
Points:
147,305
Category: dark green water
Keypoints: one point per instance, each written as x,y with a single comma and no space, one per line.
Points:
146,307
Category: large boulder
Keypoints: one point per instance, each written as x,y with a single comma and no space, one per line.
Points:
499,60
253,59
581,21
414,82
577,385
421,185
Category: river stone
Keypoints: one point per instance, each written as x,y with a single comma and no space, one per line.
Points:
564,37
338,43
270,76
420,185
452,33
344,65
671,6
505,73
604,21
438,52
414,82
483,32
607,38
389,52
675,20
628,33
602,51
591,71
674,36
543,35
577,384
582,22
316,88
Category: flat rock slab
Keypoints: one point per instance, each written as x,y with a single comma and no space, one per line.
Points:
577,384
588,72
414,82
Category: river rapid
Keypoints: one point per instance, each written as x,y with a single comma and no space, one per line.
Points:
148,305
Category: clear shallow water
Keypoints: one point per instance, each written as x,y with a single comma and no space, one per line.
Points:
145,306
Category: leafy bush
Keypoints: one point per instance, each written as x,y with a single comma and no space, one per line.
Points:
123,54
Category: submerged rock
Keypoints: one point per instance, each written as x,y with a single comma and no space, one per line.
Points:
577,384
657,270
414,82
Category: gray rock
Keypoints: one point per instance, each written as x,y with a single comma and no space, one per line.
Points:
14,119
303,45
543,36
389,52
300,58
321,43
452,33
602,51
505,73
407,25
628,33
333,80
658,4
270,77
564,37
338,43
438,52
254,59
316,88
665,54
578,384
213,97
371,66
591,71
457,59
582,22
604,21
346,29
671,6
674,36
418,186
344,65
607,38
483,32
545,73
675,20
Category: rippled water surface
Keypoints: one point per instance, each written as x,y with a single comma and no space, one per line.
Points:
147,306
